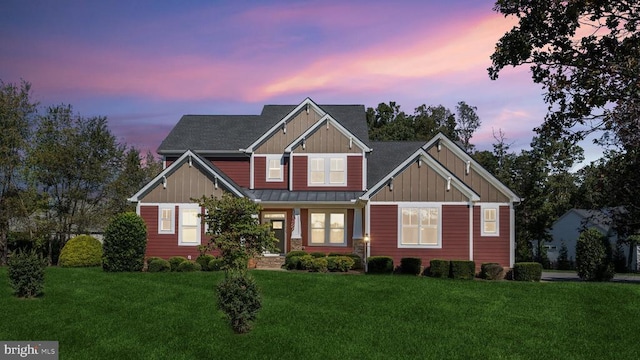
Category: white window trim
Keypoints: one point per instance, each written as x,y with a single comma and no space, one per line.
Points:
484,207
281,160
198,226
419,205
171,208
327,169
327,226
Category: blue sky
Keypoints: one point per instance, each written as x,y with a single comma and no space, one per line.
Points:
143,64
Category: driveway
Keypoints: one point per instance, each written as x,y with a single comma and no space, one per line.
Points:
572,276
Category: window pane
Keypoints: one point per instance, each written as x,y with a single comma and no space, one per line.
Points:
337,221
489,227
429,235
317,164
317,236
337,164
409,216
317,177
409,235
336,177
317,221
336,236
189,234
190,217
490,214
165,220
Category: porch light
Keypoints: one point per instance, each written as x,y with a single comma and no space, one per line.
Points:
366,238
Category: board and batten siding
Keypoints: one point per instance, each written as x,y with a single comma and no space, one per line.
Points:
279,140
327,139
482,186
166,245
185,183
419,183
300,174
492,248
455,235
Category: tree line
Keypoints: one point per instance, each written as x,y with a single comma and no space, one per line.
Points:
60,173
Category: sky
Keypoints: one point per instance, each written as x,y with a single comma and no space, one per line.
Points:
144,64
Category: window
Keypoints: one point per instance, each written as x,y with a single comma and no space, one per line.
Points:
327,170
274,168
327,228
165,220
490,220
189,234
419,226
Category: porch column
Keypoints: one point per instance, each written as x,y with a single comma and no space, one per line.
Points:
357,224
296,232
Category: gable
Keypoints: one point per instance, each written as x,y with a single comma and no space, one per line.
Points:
326,136
469,171
289,131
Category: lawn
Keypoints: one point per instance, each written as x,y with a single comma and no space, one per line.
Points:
96,315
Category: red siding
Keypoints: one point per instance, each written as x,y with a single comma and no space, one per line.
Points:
455,235
492,248
354,175
236,169
304,223
166,245
260,174
169,161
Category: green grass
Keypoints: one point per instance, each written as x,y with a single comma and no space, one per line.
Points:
96,315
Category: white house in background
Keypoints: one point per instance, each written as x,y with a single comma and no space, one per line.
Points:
568,227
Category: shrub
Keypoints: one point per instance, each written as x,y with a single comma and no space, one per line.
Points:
189,266
125,242
527,271
318,254
439,268
176,261
204,260
158,265
215,264
80,251
297,253
357,261
293,263
150,259
339,263
594,256
331,254
564,263
491,271
318,265
305,262
410,265
26,274
239,299
463,269
380,265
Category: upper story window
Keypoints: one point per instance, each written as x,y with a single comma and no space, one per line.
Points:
274,168
489,221
327,170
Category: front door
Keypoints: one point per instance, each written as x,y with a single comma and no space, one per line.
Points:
277,226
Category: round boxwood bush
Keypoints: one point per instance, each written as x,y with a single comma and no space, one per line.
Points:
410,265
318,264
80,251
215,264
158,265
204,260
594,258
189,266
306,262
527,271
439,268
175,261
380,265
293,263
125,242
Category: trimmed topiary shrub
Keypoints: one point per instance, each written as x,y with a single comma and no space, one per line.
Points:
125,242
189,266
26,273
439,268
158,265
594,258
380,265
463,269
204,260
81,251
293,263
305,262
215,264
410,266
527,271
175,261
150,259
318,254
318,265
491,271
339,263
239,298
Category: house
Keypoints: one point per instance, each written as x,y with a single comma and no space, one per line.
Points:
325,187
566,230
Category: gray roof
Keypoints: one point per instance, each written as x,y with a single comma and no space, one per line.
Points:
229,133
303,196
386,156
